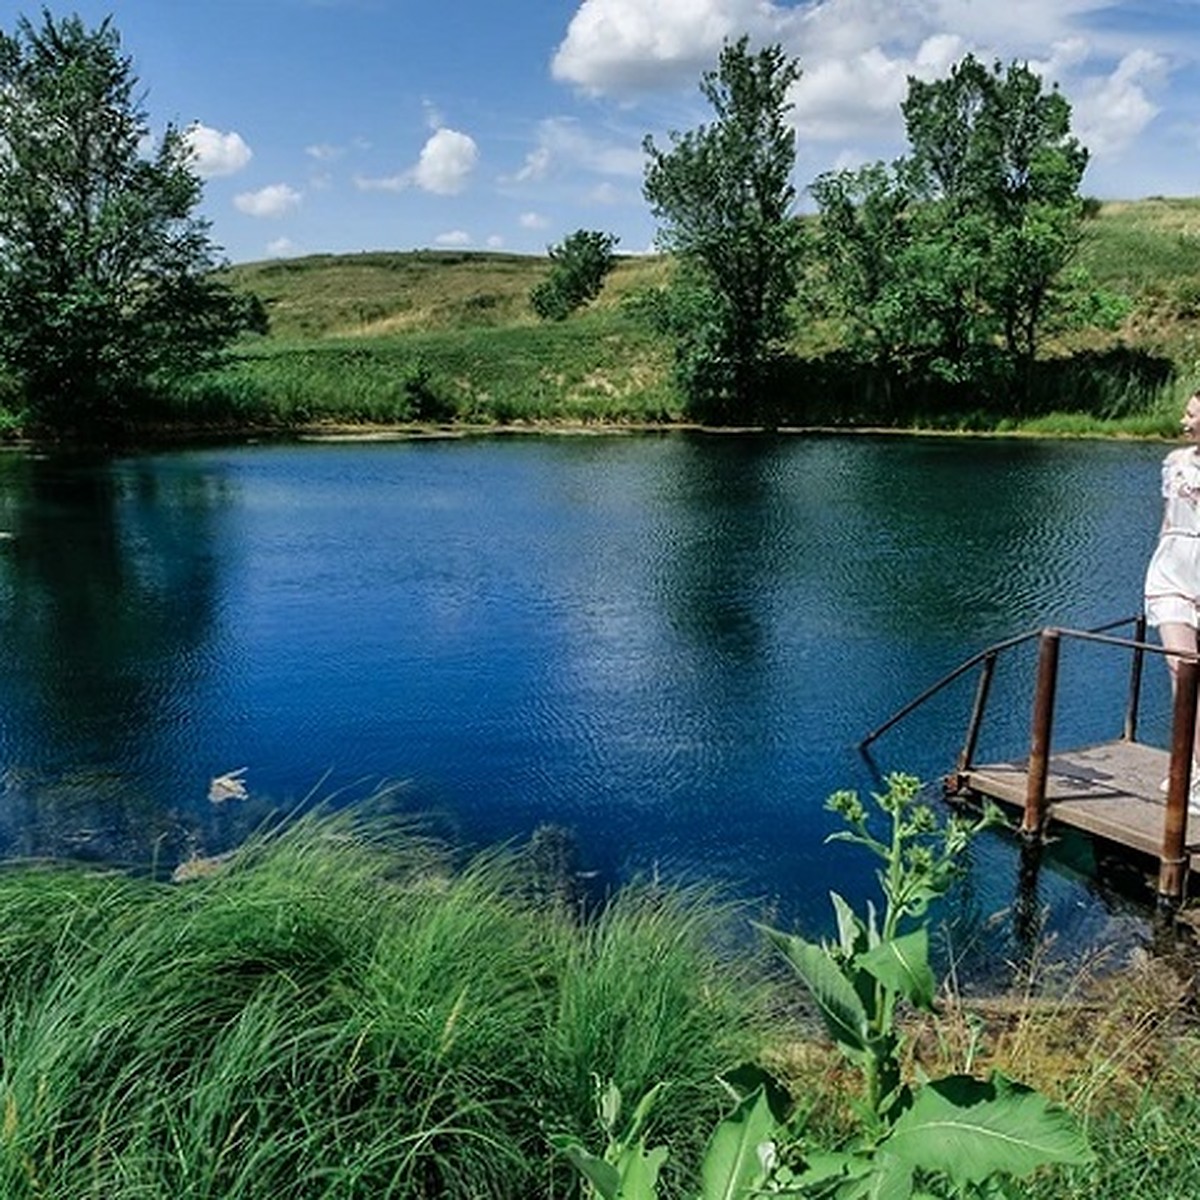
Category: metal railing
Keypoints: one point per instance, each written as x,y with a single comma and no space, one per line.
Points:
1173,858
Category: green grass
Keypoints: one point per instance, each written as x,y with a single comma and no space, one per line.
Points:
340,1012
340,1015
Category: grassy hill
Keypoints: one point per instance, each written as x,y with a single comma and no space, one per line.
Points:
384,337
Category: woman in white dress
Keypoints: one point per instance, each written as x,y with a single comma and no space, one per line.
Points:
1173,576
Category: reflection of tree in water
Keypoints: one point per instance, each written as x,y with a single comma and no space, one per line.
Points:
108,590
728,548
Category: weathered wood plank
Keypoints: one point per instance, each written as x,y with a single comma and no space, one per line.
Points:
1109,790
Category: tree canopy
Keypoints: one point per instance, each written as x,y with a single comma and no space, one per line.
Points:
579,265
723,195
107,287
954,259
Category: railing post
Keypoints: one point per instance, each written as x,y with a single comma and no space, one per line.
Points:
1173,862
1040,734
966,755
1135,680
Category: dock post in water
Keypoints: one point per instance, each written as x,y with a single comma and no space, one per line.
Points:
1039,744
1135,679
1173,861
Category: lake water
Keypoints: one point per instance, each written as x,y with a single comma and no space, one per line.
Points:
668,644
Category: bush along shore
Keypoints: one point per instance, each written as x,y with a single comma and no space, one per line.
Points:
338,1010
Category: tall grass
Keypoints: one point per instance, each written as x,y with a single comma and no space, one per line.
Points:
339,1016
600,367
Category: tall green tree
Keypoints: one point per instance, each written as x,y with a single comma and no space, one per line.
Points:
955,261
724,199
579,265
106,274
994,153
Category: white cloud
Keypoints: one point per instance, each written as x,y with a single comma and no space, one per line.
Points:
841,97
1111,112
629,45
532,220
433,115
455,237
604,193
564,145
495,241
537,163
282,247
214,153
324,152
386,183
274,201
446,162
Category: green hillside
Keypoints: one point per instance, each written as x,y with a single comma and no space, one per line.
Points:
434,336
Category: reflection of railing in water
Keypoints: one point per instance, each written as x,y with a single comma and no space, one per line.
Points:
1172,851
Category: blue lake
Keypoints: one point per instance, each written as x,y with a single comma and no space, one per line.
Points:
668,644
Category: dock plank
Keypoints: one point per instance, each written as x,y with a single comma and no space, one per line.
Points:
1110,790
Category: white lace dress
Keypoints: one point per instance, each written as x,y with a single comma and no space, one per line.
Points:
1173,576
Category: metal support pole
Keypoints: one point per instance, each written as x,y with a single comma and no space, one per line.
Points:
967,754
1173,862
1135,681
1040,734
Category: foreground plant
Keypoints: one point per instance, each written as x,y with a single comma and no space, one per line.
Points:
969,1135
973,1133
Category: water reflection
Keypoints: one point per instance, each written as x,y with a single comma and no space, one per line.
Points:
669,646
108,607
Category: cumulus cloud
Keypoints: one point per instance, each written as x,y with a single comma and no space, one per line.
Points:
455,237
1111,112
276,200
495,242
446,162
213,153
629,45
282,247
532,220
841,96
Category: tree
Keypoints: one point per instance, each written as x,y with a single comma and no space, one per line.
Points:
954,262
995,155
107,288
579,266
723,195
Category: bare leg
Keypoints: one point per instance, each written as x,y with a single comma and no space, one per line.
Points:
1177,636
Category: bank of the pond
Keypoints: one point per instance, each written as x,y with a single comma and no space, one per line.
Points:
342,1012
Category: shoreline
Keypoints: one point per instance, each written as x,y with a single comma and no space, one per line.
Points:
349,433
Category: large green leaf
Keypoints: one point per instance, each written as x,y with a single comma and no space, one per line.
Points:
902,964
638,1170
603,1176
888,1179
969,1129
852,934
733,1163
839,1004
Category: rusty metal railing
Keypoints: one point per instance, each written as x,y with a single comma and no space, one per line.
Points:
1173,858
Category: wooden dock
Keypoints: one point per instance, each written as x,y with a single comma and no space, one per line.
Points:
1111,791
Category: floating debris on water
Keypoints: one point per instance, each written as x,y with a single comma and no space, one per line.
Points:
228,787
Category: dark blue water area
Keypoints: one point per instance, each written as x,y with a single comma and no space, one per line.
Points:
670,645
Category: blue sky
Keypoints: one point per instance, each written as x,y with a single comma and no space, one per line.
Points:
344,125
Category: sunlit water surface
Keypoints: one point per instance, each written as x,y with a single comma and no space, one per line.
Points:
669,645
